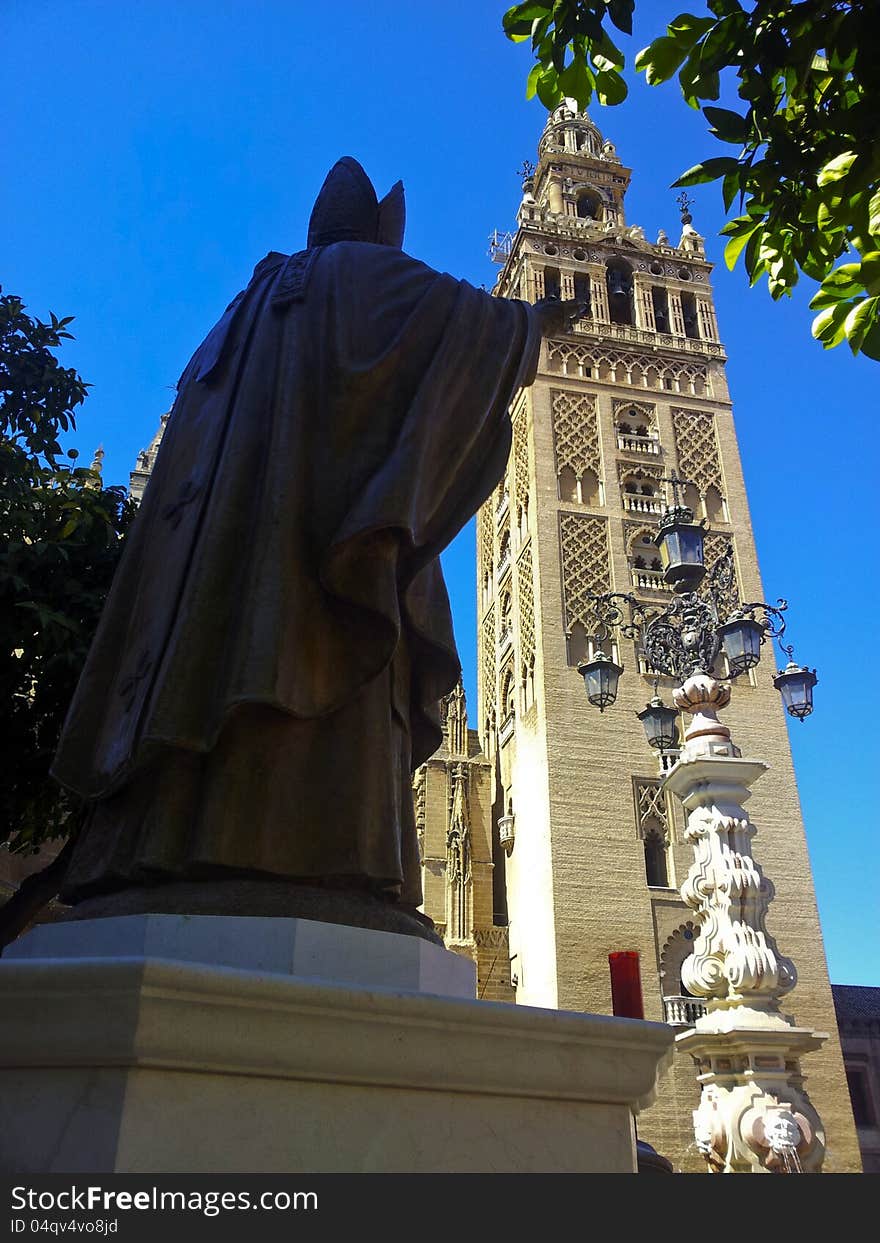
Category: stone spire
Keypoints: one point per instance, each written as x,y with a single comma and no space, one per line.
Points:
455,721
146,460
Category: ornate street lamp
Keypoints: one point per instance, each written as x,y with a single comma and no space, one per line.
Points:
795,684
741,638
754,1114
660,724
679,541
601,676
687,636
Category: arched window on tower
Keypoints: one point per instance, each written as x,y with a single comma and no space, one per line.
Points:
522,517
582,291
508,703
618,277
714,505
681,1009
577,645
590,494
660,303
692,499
589,205
552,283
653,826
504,551
656,871
689,314
499,858
568,488
528,684
505,634
645,568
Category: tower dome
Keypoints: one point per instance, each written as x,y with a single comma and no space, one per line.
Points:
569,130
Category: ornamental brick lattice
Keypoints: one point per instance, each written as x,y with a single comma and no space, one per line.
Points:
575,432
526,601
520,462
698,449
485,547
488,664
651,810
585,567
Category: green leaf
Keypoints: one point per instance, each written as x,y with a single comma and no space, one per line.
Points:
839,286
828,326
874,214
577,81
836,169
686,29
547,87
736,245
709,170
730,188
532,80
660,60
620,12
721,44
517,22
606,54
754,265
871,343
869,272
610,88
742,224
726,125
859,322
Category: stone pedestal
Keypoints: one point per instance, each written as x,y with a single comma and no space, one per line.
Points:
141,1062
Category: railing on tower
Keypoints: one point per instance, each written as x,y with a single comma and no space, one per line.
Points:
500,245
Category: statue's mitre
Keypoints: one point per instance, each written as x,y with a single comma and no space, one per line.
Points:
347,209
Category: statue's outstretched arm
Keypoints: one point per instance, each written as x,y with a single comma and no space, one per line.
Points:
557,316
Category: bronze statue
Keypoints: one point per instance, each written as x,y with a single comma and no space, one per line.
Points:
269,664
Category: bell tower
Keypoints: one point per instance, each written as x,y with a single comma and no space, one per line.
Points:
593,848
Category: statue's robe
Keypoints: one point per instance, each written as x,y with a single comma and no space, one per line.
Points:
267,670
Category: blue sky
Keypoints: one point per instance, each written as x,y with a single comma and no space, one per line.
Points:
154,153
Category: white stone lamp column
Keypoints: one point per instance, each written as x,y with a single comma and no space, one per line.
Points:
754,1114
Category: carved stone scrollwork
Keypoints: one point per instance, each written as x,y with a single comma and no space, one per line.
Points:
754,1115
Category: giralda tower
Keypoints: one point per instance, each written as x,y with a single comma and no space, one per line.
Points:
588,851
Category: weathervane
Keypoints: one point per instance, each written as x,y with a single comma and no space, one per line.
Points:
685,204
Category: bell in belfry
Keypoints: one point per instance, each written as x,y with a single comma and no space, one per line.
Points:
618,286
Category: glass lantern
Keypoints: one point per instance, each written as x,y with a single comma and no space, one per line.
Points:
741,641
601,676
795,684
660,724
680,541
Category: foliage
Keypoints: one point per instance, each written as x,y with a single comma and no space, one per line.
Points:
806,179
60,534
